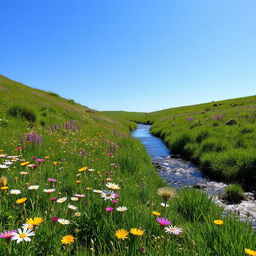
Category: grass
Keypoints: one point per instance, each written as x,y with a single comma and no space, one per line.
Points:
84,150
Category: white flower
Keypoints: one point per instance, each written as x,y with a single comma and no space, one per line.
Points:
8,162
23,235
15,192
78,214
91,170
74,198
61,200
50,190
121,209
72,207
33,187
79,195
107,195
164,205
3,155
3,166
97,191
28,226
63,221
173,230
112,186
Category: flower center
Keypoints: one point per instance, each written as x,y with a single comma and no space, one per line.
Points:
22,235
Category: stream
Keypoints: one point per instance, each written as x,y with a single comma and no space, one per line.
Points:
179,173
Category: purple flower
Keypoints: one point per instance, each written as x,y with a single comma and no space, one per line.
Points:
54,198
109,209
115,201
163,221
7,234
52,180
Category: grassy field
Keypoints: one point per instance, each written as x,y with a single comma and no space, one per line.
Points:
73,182
218,136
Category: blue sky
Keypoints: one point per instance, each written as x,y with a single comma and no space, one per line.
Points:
136,55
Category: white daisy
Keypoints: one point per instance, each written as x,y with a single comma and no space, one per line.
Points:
121,209
72,207
164,205
173,230
23,235
61,200
79,195
33,187
8,162
97,191
3,155
15,192
74,198
3,166
91,170
50,190
112,186
28,226
63,221
108,195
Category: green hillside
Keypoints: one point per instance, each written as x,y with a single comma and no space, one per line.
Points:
219,136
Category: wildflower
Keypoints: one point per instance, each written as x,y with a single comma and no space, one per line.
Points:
40,160
137,231
112,186
107,195
67,239
83,169
48,191
78,214
21,200
63,221
97,191
115,201
121,234
3,166
61,200
166,193
74,198
72,207
23,235
109,209
35,222
55,163
4,188
3,181
250,252
79,195
7,234
54,219
173,230
91,170
24,163
52,180
107,173
165,205
163,222
78,181
53,198
155,213
15,192
33,187
218,222
23,173
28,226
121,209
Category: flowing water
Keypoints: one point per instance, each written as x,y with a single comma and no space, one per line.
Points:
179,173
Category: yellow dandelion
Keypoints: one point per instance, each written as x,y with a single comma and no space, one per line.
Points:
55,163
250,252
69,239
24,163
78,181
3,180
155,213
121,234
218,222
137,231
83,169
4,188
21,200
35,222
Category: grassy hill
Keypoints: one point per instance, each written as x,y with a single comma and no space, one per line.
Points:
73,182
219,136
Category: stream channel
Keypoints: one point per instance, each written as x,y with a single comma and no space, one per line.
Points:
179,173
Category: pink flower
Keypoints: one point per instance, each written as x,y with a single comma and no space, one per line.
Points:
116,195
109,209
163,221
107,173
7,234
55,219
52,180
39,160
115,201
53,198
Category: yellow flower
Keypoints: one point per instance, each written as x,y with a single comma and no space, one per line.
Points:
35,222
156,213
122,234
21,200
3,180
218,222
55,163
23,173
24,163
4,188
137,231
67,239
250,252
83,169
78,181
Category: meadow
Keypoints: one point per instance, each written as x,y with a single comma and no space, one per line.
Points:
74,182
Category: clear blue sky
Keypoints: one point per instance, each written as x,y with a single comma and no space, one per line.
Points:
137,55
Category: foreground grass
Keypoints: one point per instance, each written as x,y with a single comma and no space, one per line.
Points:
83,157
218,136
